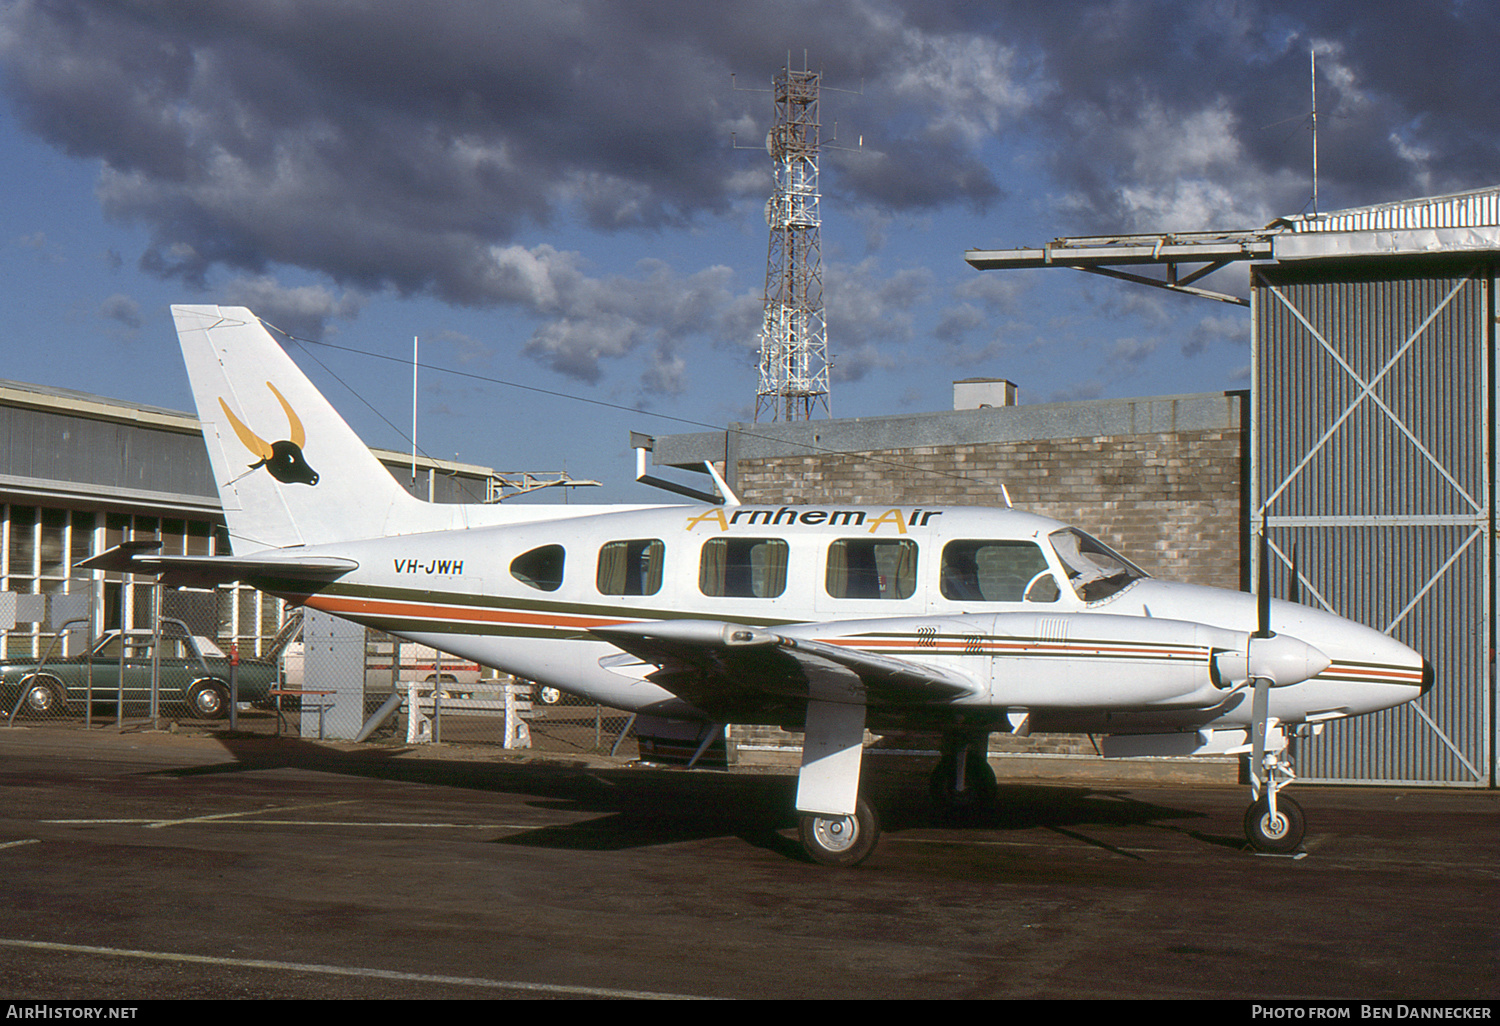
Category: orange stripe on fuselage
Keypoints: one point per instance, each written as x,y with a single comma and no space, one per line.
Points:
465,614
1000,646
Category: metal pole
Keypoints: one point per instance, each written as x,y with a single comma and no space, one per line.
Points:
234,684
1313,54
88,655
414,414
156,655
120,680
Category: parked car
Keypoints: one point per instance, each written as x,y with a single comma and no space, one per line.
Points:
193,673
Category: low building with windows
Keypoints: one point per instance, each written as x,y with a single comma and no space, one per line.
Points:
81,473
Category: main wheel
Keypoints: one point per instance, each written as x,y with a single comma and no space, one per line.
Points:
979,789
207,700
1279,834
841,840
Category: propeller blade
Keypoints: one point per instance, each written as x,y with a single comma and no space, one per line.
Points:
1263,587
1294,587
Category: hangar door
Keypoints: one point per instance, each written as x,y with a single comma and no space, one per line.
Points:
1374,468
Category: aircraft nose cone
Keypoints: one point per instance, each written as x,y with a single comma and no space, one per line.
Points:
1285,660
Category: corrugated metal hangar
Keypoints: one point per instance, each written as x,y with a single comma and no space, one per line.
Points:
1372,455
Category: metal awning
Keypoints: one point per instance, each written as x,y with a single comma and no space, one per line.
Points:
1103,254
1464,222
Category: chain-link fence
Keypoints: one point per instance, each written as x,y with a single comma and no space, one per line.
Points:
60,666
413,693
190,669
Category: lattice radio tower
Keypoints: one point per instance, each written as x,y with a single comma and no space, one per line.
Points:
794,335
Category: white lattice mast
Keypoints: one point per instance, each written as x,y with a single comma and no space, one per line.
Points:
794,334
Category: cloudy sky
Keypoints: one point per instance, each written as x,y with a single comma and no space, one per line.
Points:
549,194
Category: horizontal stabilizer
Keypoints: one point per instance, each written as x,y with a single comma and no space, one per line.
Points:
710,662
137,557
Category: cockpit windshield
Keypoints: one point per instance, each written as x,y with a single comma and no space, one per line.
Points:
1095,570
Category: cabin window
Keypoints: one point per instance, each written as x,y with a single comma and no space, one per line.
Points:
868,569
743,567
1095,570
631,567
540,568
996,571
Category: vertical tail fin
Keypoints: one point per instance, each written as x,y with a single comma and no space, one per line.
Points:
289,470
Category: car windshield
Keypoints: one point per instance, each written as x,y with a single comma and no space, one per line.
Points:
1095,570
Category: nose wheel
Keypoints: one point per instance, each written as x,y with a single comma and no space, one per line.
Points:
1277,831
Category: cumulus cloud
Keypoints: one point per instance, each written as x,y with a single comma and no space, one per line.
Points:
304,311
588,320
122,308
416,149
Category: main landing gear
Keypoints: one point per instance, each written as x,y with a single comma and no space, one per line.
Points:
963,782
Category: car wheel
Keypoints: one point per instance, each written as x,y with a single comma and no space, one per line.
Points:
208,700
549,696
43,695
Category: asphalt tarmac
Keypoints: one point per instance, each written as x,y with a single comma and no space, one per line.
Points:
150,866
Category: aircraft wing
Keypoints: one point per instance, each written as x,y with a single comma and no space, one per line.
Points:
709,662
137,557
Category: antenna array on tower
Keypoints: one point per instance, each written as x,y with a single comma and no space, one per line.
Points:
794,333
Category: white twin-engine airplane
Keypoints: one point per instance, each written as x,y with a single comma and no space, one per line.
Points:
822,619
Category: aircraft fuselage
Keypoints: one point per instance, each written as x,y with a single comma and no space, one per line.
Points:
1028,625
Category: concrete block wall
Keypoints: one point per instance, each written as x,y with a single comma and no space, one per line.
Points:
1171,501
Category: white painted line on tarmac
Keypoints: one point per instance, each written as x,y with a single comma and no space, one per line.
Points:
239,815
339,970
156,824
302,822
17,844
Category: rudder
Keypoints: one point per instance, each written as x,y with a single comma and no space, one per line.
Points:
289,470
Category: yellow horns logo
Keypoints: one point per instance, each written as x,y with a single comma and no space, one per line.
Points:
282,459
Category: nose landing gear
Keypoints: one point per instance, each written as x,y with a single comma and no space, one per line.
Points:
1274,824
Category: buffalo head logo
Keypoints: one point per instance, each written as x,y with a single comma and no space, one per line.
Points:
283,460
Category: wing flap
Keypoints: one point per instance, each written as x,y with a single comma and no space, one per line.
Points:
712,661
